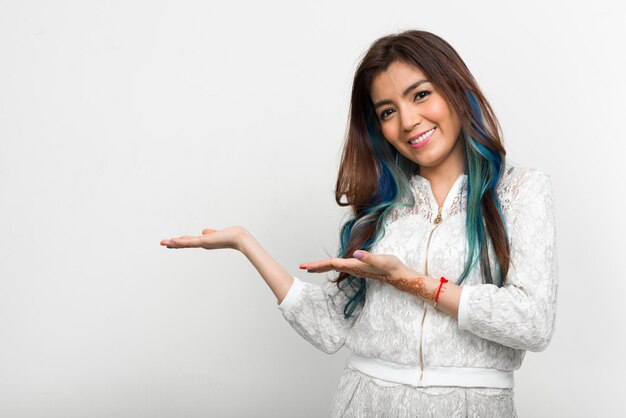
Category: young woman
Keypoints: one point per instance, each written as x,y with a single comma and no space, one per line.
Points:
447,267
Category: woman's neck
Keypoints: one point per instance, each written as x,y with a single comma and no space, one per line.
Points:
441,179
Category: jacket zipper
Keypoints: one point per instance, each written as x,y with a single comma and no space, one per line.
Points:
437,221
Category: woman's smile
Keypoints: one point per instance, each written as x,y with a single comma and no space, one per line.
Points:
421,139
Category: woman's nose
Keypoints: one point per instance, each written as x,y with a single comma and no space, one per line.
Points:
410,120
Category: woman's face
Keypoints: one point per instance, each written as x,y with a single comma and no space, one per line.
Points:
416,119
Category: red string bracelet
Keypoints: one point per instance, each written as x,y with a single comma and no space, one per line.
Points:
442,280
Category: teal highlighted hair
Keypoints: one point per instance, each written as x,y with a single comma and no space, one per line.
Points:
393,190
484,170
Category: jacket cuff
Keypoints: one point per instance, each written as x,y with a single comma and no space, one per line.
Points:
292,295
463,316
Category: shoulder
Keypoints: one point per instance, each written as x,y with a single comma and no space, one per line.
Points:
516,174
518,182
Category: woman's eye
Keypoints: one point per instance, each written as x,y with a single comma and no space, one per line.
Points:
386,113
421,94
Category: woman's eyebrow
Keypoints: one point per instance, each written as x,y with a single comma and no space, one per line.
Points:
404,93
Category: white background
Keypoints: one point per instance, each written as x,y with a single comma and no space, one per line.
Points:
126,122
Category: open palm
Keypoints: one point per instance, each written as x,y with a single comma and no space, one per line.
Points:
383,267
210,239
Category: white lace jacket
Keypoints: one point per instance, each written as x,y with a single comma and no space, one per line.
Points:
495,325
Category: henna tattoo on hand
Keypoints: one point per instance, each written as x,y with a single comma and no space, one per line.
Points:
358,272
414,285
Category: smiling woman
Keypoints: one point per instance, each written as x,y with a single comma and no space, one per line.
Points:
413,116
447,267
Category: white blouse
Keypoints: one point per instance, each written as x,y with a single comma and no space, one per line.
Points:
398,335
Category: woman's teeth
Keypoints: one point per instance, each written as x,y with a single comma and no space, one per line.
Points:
422,137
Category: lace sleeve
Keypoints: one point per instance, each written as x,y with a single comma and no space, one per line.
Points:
316,313
521,314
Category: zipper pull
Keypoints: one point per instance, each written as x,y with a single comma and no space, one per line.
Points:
438,218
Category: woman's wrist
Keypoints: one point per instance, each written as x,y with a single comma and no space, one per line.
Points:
244,241
427,288
417,284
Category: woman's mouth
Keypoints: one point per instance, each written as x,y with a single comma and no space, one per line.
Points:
422,139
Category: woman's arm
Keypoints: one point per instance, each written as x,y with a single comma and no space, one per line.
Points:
316,312
390,269
239,238
427,287
521,314
276,277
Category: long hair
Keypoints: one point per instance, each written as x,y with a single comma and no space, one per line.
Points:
374,177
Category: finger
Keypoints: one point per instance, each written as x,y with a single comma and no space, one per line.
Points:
169,243
373,260
361,255
330,262
313,267
208,231
338,264
184,242
309,264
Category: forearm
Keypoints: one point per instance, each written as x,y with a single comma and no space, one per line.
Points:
449,296
426,288
276,277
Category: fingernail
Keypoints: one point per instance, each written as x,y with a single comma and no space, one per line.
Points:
358,254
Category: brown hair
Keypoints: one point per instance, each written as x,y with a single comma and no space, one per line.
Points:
365,149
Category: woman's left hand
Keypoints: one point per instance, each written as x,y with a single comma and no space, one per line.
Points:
389,269
383,267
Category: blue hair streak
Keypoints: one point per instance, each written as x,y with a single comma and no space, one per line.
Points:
393,191
484,170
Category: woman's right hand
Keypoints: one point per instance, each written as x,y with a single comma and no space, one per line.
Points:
238,238
211,239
